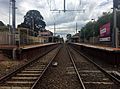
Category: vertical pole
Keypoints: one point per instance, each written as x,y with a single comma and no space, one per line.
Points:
76,27
84,35
9,22
64,6
13,20
54,33
115,32
93,30
54,29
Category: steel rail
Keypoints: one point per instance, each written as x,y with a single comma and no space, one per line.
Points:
73,62
111,77
36,82
9,75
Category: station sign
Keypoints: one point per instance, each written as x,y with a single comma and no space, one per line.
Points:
104,32
105,39
116,4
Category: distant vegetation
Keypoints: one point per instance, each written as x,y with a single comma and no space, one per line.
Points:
3,27
93,26
33,20
1,23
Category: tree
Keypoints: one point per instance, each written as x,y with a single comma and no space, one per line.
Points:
1,23
88,29
3,27
33,20
68,36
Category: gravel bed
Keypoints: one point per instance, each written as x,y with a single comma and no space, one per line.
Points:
62,76
7,65
105,65
40,63
90,74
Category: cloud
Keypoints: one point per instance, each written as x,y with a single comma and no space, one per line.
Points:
64,21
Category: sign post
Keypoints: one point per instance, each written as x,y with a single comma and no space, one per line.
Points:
116,6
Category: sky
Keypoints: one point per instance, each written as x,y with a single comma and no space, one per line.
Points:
65,22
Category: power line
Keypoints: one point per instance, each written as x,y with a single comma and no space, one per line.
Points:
64,10
50,9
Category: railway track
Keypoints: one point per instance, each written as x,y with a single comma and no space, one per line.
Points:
63,76
27,76
91,75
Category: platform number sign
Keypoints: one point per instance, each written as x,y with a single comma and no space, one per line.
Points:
116,4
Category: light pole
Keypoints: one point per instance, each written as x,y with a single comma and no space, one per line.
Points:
9,22
116,7
93,30
84,35
13,19
115,30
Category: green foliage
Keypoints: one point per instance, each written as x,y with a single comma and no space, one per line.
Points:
4,28
92,28
68,36
1,23
33,19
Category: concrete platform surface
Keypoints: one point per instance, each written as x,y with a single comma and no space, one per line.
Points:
98,47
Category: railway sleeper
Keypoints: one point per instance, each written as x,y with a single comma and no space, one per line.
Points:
13,87
116,74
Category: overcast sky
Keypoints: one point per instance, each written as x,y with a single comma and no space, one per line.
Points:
65,22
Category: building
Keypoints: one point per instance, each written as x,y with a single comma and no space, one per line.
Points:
45,36
45,33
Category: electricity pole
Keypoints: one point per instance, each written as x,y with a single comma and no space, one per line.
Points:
76,27
13,19
116,6
115,32
64,6
53,33
54,29
9,22
93,30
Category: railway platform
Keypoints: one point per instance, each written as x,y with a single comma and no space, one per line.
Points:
74,70
109,54
15,52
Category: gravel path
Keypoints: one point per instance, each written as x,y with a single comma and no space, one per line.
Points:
62,76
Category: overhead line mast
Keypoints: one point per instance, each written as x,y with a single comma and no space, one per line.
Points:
64,8
13,16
